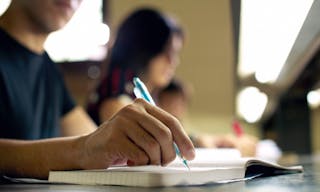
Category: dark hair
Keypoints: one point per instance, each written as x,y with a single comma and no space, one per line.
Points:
176,87
144,34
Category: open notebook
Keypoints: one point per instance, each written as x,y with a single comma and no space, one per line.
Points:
201,172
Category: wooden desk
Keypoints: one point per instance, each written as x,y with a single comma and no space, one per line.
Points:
308,181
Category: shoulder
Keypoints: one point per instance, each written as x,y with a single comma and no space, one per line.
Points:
52,67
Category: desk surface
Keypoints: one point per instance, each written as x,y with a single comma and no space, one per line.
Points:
307,181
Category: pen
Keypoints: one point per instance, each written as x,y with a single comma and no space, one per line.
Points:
237,129
141,91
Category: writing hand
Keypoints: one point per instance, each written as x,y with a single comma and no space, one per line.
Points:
138,134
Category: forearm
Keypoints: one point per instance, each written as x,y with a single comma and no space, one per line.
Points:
139,134
77,122
109,107
36,158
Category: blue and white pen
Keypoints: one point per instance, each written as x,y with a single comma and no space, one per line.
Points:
141,91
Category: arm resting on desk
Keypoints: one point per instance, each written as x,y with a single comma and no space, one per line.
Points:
37,158
138,134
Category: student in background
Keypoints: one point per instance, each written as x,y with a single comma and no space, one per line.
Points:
147,46
41,128
175,99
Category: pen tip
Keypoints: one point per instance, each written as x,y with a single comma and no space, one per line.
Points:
186,164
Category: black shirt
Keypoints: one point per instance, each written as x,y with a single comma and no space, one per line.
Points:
33,96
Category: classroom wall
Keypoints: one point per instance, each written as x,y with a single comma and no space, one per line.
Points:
207,59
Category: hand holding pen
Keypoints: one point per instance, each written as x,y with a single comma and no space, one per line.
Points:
139,134
244,142
140,91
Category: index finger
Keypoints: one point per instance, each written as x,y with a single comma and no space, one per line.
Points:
179,135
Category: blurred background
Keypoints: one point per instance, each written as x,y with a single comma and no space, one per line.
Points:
255,61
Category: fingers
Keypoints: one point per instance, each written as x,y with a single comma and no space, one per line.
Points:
247,145
151,135
146,142
134,154
109,145
138,134
244,144
179,135
163,136
224,143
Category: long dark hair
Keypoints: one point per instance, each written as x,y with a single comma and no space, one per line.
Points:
143,35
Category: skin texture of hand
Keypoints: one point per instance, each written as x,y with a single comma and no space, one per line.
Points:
138,134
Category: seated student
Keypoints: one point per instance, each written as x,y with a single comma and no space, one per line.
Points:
175,99
36,107
147,46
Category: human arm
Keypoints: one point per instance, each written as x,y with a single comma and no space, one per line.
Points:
138,134
246,144
21,158
76,122
111,106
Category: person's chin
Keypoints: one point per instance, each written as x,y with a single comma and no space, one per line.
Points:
165,82
57,25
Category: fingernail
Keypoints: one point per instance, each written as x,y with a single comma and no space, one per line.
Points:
192,153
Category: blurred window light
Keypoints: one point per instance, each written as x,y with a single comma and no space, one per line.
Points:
267,33
251,103
313,98
83,38
4,4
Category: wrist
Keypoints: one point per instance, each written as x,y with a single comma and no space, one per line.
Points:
80,152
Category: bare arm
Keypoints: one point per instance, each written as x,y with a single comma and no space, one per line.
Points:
77,122
138,134
246,144
111,106
37,158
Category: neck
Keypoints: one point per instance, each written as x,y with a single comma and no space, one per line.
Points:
149,85
23,30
